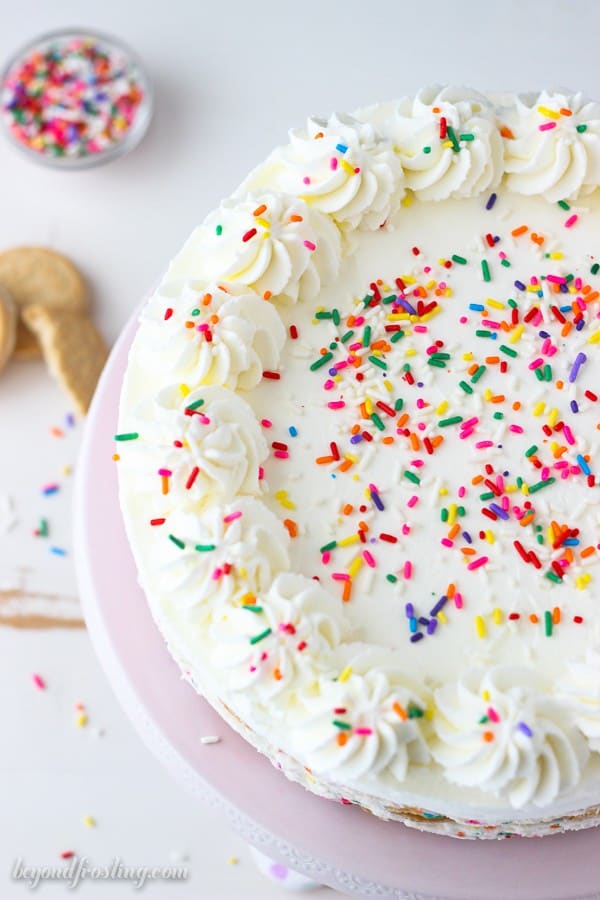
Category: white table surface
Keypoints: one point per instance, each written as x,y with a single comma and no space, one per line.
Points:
230,78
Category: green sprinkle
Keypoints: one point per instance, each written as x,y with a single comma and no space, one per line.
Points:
388,300
487,495
533,449
43,528
436,362
324,314
483,720
519,482
205,548
346,337
483,332
127,436
512,303
366,336
547,372
195,405
254,609
563,204
538,374
396,336
552,576
467,137
345,725
452,420
377,422
508,350
195,312
466,387
412,477
459,259
595,269
323,360
461,511
444,514
485,270
477,374
505,263
415,712
440,356
261,636
219,230
391,578
548,623
452,138
581,128
398,404
335,315
378,362
330,546
533,488
177,542
426,149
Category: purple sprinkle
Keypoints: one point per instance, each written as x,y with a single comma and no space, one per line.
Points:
356,438
467,537
525,729
417,637
377,499
499,511
423,620
438,606
70,420
432,626
279,871
574,406
409,610
491,201
520,286
579,361
407,307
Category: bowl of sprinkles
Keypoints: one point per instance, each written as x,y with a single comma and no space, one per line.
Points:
75,98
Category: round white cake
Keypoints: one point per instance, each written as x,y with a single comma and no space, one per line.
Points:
358,460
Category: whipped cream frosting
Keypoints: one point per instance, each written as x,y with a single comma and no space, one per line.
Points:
358,445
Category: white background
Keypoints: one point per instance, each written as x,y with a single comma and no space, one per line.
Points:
230,78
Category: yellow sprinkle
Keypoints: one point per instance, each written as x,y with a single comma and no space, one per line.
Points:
409,279
497,616
410,351
282,498
489,536
539,408
441,409
184,390
233,860
556,255
525,489
351,539
443,491
434,312
447,144
407,201
388,385
553,417
66,470
355,566
346,166
495,304
262,222
516,335
345,675
442,617
89,821
480,626
487,394
430,284
595,337
369,405
549,113
510,488
467,356
81,720
242,571
486,696
452,514
351,457
582,581
429,712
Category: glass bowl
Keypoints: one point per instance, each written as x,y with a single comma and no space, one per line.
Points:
77,157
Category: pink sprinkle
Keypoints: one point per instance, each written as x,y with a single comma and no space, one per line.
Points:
333,163
39,682
281,454
422,329
556,279
266,423
571,220
463,320
477,563
482,444
462,491
336,404
232,516
447,542
492,714
536,363
329,384
217,574
516,428
407,572
568,435
420,403
306,179
405,529
368,558
326,557
261,473
310,245
340,576
363,731
458,601
547,126
412,501
166,473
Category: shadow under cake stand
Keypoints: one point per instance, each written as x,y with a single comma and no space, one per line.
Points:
330,843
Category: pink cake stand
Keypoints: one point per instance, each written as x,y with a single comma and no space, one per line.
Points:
340,846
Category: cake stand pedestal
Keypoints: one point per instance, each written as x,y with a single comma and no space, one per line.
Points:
340,846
